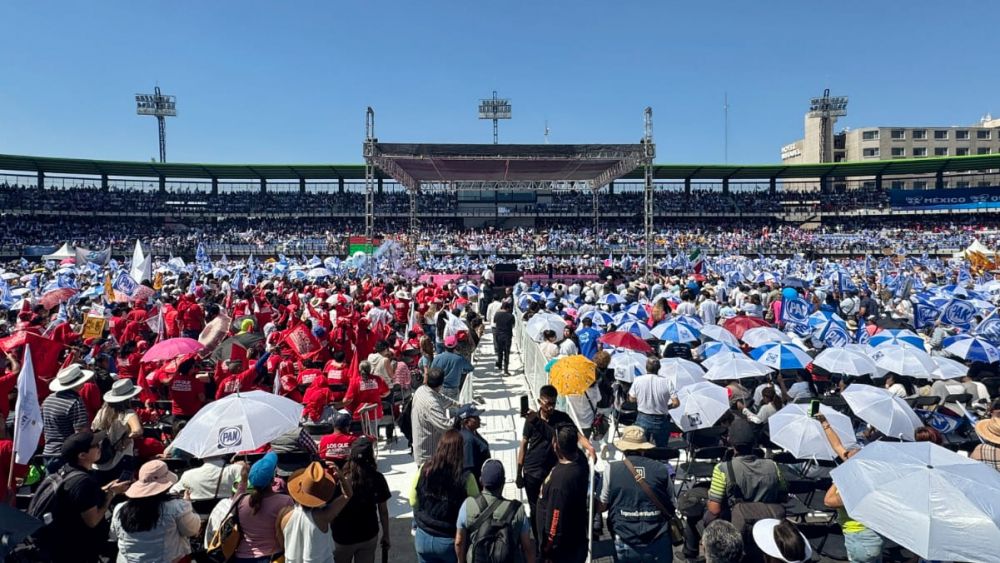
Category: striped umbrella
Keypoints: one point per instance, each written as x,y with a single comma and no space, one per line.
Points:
637,328
896,336
971,348
781,356
675,331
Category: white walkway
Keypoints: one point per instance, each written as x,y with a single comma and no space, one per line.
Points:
502,426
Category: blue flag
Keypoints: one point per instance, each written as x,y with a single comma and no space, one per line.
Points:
924,315
861,335
958,313
990,328
833,335
795,311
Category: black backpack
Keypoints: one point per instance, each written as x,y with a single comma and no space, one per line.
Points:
46,500
494,540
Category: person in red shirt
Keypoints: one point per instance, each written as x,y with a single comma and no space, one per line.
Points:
128,361
336,446
364,390
244,380
316,403
6,456
336,376
187,392
8,381
288,385
192,320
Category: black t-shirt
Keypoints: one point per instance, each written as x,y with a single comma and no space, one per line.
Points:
358,521
477,451
540,457
562,509
76,540
504,322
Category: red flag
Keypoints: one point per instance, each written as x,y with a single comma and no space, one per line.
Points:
44,356
302,341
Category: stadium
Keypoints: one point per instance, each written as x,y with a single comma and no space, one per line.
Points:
418,345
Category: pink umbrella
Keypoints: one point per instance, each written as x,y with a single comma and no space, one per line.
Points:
170,349
52,299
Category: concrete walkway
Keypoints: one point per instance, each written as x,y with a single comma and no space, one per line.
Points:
500,398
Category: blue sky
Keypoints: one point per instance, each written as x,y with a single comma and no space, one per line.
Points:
289,81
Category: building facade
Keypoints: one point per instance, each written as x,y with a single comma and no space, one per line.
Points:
885,143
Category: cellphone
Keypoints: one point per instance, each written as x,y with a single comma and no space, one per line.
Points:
127,475
524,405
813,408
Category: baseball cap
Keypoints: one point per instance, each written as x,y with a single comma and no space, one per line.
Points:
468,411
262,472
492,475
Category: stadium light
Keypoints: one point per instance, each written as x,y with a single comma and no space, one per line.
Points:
494,109
825,108
159,106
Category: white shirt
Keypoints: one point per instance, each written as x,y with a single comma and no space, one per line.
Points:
568,348
204,483
709,311
581,407
652,394
686,308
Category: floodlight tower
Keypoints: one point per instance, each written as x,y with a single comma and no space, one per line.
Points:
160,106
494,109
827,109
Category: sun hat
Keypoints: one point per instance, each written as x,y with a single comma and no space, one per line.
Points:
989,430
633,438
70,377
154,478
262,471
763,536
311,486
122,390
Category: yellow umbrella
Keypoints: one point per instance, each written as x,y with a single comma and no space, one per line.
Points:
572,375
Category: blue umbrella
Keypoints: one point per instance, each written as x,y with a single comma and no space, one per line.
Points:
636,328
625,317
599,318
971,348
638,311
526,299
781,356
611,299
820,318
897,336
467,289
675,331
691,320
710,349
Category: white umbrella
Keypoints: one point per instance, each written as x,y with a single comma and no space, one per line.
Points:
722,357
888,413
802,436
938,504
904,360
681,372
719,334
845,362
320,273
761,335
948,368
237,423
541,322
627,364
736,368
701,405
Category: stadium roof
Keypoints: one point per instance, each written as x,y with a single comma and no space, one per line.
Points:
900,167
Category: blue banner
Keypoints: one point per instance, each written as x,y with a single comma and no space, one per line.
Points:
795,311
953,198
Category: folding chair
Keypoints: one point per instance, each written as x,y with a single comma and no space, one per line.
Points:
369,423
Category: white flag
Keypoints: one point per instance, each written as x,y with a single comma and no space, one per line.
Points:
27,413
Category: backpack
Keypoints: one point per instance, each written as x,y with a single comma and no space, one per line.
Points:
46,500
744,514
405,420
494,540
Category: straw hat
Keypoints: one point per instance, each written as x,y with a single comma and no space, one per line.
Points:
311,487
70,377
154,478
122,390
633,438
989,430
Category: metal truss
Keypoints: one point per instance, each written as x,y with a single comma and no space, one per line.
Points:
370,150
648,156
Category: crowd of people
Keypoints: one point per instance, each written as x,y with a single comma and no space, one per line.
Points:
365,350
